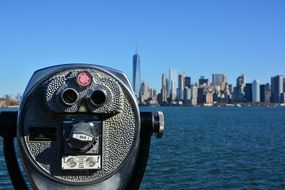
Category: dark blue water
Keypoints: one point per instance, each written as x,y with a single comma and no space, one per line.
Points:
219,148
213,148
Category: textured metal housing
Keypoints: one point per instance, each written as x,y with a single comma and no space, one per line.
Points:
41,107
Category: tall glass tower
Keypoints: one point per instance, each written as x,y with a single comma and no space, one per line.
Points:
218,79
276,88
136,74
173,76
255,91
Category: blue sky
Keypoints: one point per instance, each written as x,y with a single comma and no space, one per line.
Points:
194,37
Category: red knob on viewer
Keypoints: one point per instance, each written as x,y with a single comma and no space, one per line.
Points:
84,79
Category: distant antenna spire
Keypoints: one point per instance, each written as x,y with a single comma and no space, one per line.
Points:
136,48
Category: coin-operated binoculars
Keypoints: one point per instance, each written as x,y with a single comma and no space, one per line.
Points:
79,127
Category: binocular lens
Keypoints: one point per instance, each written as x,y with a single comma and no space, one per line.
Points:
69,96
98,97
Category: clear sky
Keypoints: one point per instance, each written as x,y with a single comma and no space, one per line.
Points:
194,37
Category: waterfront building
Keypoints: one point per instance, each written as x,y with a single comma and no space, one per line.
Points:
163,80
226,94
230,88
172,91
167,88
217,93
154,92
136,74
265,93
144,93
180,81
223,86
187,95
218,79
221,93
194,95
248,92
180,88
187,82
238,94
241,81
153,98
171,99
203,81
201,97
277,84
208,98
179,94
172,83
163,95
223,98
255,91
148,96
282,97
163,88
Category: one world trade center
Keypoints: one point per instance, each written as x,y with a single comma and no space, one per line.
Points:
136,74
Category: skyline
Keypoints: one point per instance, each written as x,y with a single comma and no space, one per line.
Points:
198,38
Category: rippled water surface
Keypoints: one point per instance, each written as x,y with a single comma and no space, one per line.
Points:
213,148
219,148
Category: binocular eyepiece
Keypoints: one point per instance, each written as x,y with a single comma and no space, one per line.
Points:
79,127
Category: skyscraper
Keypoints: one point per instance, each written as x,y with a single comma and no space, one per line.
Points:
203,81
208,98
187,81
145,93
218,79
276,88
239,89
265,93
194,95
282,98
187,95
180,88
163,95
283,84
163,88
163,80
201,91
172,83
136,74
241,81
255,91
180,81
248,92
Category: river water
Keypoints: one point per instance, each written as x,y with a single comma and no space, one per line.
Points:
213,148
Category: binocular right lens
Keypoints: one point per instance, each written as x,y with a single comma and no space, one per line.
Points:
98,97
69,96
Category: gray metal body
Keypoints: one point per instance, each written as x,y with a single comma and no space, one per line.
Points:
45,124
